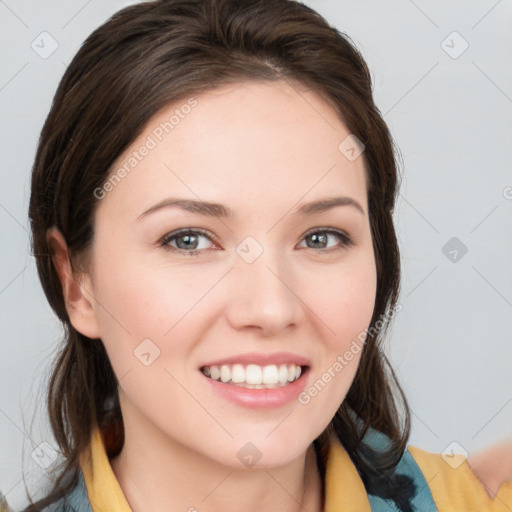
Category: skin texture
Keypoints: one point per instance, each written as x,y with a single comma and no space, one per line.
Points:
262,149
493,466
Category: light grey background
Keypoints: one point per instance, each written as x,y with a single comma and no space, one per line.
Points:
450,113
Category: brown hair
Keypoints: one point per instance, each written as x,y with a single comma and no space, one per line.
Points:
143,58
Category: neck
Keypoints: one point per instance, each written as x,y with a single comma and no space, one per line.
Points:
162,475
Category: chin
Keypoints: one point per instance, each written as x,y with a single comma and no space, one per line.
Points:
264,451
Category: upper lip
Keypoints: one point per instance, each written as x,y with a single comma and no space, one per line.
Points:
261,359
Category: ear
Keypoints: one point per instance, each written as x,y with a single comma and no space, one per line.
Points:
76,289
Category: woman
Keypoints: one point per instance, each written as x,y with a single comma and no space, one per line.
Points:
251,374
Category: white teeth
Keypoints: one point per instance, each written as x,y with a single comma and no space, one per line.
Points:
214,372
237,373
254,376
271,374
283,374
225,373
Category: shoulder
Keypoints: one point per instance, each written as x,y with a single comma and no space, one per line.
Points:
76,501
421,497
450,481
4,507
453,483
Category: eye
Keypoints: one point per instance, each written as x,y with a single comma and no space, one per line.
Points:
186,240
320,237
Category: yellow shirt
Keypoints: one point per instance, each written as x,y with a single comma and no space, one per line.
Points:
444,488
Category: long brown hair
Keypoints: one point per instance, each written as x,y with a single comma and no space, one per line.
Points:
143,58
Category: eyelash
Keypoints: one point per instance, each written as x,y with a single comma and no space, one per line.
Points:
346,240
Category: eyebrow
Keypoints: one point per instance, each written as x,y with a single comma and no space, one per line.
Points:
217,210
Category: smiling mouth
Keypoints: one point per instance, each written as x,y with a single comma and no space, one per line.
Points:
253,376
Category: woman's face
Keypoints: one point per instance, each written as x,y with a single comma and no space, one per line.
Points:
251,295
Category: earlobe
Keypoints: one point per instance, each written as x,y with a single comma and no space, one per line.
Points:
77,290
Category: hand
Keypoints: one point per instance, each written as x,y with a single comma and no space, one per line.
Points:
493,466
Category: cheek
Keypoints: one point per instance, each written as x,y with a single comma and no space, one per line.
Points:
139,302
345,307
347,302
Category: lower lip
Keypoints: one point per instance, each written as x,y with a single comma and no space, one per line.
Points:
259,398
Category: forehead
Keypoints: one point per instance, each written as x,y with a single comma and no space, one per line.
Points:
246,139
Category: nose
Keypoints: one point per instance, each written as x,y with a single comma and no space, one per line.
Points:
262,295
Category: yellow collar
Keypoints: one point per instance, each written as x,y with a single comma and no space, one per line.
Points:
344,489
